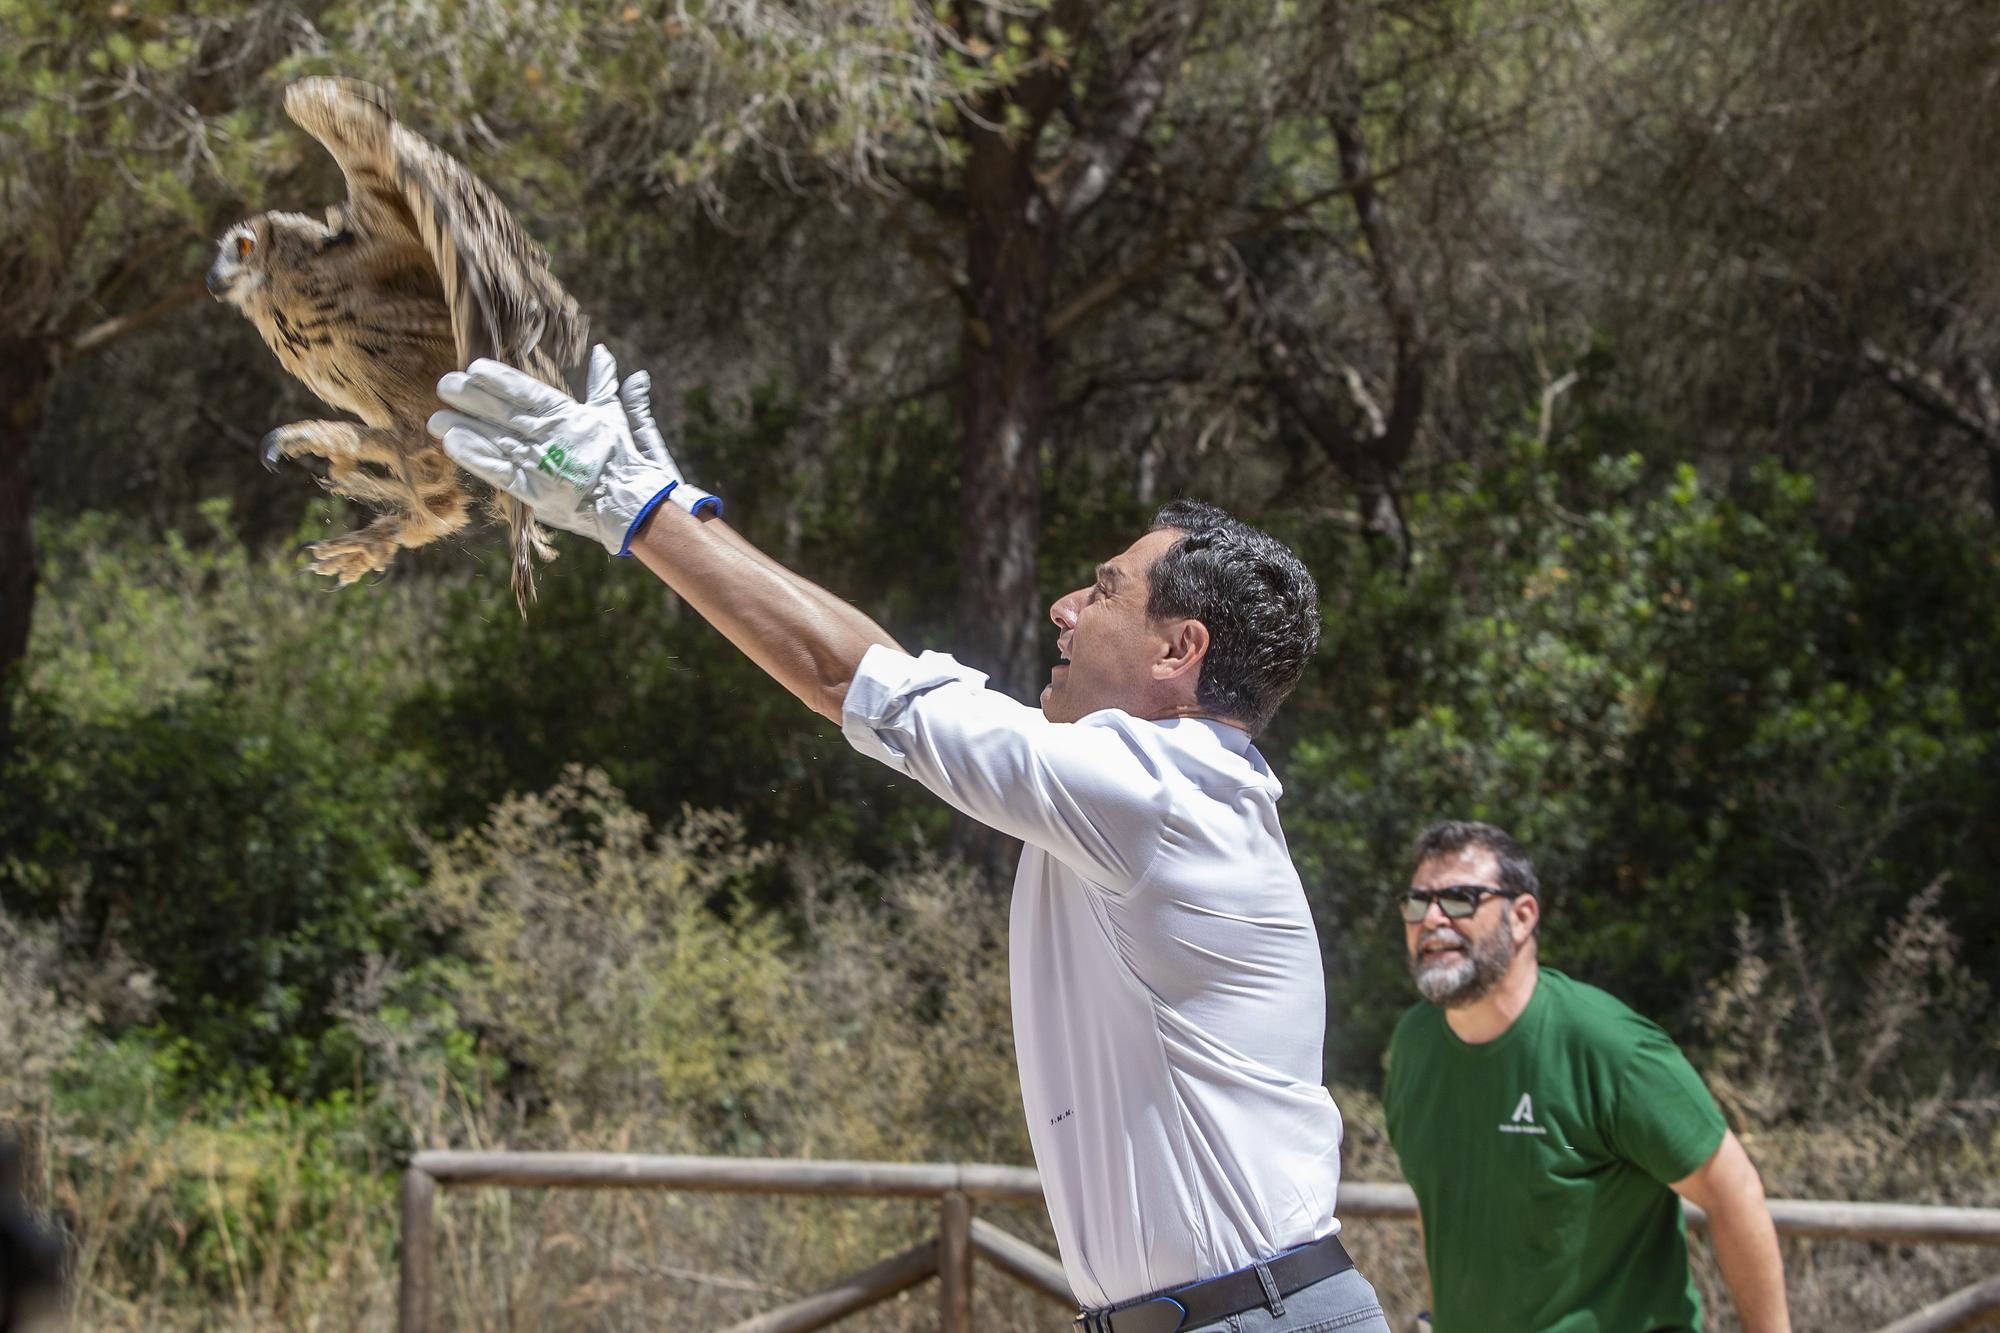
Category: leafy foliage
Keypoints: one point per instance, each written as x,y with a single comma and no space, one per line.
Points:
121,128
1644,445
1676,699
201,783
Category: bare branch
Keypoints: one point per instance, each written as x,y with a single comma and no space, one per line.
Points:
229,430
1483,132
1392,280
1551,391
938,264
139,261
1926,390
110,330
1989,401
1274,343
1113,285
1378,425
1097,156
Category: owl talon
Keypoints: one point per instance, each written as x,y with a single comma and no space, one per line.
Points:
272,451
347,559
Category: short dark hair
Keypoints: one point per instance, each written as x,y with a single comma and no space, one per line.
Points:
1260,605
1444,838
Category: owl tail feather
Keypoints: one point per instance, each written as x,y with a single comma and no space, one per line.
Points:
527,541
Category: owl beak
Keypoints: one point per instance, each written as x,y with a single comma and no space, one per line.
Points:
218,282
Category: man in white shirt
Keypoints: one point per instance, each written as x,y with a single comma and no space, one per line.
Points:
1169,1005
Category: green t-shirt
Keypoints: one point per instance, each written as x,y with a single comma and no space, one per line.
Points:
1541,1161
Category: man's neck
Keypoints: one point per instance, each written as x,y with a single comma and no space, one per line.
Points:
1190,711
1493,1013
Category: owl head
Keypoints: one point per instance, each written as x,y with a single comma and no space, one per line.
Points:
271,248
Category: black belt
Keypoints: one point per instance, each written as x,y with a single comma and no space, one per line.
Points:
1201,1303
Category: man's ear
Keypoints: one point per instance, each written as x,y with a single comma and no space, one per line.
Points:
1527,915
1183,652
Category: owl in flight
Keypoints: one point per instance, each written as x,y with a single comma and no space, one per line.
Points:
417,273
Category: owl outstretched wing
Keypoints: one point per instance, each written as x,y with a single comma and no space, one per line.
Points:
503,300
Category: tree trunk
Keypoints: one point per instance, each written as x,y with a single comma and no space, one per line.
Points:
1009,257
1015,221
24,376
1010,253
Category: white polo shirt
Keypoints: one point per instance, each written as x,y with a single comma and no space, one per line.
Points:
1169,1008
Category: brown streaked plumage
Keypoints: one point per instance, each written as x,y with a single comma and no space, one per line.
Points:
419,272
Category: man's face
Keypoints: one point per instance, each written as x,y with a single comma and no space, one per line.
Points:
1456,963
1108,643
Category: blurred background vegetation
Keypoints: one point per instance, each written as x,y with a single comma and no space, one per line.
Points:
1624,368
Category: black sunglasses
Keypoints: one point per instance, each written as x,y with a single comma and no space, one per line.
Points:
1457,901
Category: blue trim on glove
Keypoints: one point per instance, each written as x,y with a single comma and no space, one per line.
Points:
709,506
645,512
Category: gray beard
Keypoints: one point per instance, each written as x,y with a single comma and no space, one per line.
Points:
1471,978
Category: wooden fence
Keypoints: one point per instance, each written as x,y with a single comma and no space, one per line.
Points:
962,1237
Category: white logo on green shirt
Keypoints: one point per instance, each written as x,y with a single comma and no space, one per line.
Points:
1524,1118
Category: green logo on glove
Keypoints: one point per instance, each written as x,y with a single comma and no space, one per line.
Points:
556,461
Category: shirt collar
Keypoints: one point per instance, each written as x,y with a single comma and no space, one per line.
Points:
1237,739
1233,738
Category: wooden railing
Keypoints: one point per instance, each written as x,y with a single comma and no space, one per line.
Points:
962,1237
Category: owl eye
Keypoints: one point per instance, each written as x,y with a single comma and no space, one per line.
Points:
244,245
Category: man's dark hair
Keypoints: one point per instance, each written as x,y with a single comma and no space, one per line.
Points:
1450,836
1260,605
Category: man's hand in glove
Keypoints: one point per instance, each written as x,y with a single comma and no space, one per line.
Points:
598,467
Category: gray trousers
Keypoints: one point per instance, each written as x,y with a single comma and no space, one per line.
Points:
1346,1301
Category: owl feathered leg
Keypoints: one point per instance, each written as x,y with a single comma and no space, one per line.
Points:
420,487
346,445
345,559
338,442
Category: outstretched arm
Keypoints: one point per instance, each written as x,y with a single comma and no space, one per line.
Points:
1728,1189
807,639
601,468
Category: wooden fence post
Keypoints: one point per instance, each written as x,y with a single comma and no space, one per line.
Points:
954,1263
1022,1262
414,1306
895,1274
1962,1309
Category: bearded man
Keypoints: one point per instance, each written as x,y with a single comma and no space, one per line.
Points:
1546,1128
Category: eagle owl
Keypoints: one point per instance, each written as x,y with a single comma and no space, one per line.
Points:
417,273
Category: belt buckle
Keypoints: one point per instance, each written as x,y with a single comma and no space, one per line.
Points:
1105,1321
1141,1311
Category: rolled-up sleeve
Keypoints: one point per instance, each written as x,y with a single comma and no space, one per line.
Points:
1086,794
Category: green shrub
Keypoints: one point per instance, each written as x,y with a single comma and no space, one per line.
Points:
203,778
1687,704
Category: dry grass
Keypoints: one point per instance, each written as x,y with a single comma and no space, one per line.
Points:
614,1261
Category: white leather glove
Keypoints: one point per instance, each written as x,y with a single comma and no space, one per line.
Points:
599,467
